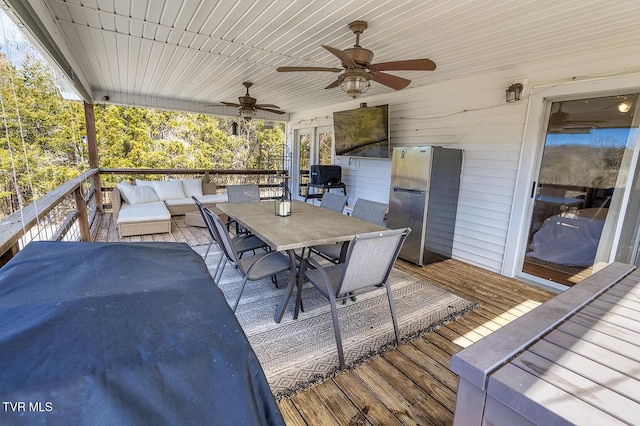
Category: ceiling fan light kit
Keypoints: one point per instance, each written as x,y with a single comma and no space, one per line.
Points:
355,82
247,112
358,69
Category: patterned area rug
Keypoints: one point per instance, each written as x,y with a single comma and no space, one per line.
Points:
297,354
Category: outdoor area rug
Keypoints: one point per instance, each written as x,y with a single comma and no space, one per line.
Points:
296,354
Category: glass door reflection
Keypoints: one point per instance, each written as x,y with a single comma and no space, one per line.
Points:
586,162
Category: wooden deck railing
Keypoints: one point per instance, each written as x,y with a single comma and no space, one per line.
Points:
72,211
69,212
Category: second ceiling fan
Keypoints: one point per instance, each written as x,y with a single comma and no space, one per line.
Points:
359,71
247,105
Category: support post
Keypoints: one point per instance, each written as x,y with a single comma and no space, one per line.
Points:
92,146
83,216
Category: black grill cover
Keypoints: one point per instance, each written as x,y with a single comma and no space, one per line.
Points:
325,175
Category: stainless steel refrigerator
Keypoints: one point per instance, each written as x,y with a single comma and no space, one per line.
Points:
425,182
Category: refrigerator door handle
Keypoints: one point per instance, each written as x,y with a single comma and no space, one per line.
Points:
412,191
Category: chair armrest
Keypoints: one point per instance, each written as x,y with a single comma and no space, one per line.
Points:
323,273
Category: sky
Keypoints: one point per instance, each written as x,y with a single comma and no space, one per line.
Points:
616,137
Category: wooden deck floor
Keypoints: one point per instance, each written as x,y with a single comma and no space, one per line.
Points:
412,384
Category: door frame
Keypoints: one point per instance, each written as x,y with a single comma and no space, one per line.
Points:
539,105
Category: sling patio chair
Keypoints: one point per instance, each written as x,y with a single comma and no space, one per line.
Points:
333,201
242,194
251,268
371,211
242,243
367,265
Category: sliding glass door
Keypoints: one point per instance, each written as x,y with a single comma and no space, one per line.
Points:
313,146
585,210
303,149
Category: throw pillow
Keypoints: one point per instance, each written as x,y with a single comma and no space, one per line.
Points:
138,194
169,190
191,187
122,187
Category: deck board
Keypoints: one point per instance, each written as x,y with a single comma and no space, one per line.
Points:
360,397
338,404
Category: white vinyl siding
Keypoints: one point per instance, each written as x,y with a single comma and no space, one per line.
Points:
470,114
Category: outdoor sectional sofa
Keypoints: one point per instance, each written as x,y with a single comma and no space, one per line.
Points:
147,206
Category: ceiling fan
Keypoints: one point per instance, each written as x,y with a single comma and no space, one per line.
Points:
247,105
359,71
559,123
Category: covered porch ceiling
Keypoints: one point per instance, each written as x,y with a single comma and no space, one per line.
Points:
192,55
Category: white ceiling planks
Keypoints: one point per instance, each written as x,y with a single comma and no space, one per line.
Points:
200,51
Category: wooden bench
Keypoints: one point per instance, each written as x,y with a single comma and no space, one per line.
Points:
573,360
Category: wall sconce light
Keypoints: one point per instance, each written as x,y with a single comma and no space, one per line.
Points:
234,129
513,92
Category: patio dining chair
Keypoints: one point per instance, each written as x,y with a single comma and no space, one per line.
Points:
367,265
371,211
368,210
242,194
333,201
242,243
251,268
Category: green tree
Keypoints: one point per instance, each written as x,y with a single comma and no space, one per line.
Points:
44,146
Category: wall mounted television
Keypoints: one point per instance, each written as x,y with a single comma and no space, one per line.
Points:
362,132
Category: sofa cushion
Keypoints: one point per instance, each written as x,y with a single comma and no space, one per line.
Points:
134,195
146,212
191,186
206,199
169,190
140,182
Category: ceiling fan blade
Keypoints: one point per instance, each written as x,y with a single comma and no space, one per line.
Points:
344,58
270,110
392,81
334,84
267,106
233,104
408,65
294,69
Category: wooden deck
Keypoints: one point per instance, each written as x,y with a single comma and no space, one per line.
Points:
411,384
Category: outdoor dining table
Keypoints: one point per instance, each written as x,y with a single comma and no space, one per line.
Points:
307,226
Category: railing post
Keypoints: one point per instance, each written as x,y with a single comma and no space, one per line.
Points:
92,147
7,255
83,216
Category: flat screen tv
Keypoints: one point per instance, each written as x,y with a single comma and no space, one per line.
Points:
362,132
